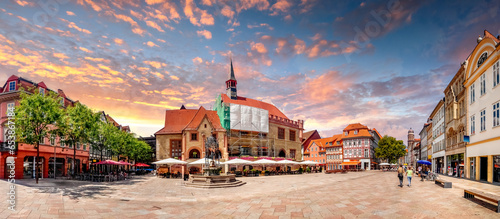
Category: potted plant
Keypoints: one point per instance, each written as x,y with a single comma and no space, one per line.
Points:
168,174
308,169
266,173
245,172
301,170
255,172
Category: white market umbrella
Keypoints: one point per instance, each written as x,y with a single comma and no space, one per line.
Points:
384,164
200,161
287,162
264,162
238,161
308,162
170,161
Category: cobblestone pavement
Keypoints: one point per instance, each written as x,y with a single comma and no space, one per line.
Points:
370,194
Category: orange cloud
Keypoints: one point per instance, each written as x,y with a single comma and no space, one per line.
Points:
153,2
60,56
197,16
154,25
197,60
160,40
118,41
137,15
259,47
70,13
151,44
73,25
98,59
85,49
155,64
24,3
173,77
226,11
281,6
205,33
259,4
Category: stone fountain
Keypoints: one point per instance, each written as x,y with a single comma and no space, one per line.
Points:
212,176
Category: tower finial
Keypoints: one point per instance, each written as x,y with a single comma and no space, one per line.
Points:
232,71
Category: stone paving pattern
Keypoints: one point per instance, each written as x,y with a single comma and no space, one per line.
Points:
370,194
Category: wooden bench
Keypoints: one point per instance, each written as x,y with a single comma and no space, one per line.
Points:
445,183
336,171
472,193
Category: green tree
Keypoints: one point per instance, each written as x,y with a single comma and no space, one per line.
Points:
390,149
140,151
101,136
76,127
36,116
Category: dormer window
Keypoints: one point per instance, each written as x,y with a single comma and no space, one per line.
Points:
356,132
41,90
12,85
346,133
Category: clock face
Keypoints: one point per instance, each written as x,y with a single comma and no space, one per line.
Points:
481,59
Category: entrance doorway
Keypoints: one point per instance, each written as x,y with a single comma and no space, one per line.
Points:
483,172
59,167
282,154
29,167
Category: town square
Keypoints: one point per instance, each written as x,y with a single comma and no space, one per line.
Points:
249,109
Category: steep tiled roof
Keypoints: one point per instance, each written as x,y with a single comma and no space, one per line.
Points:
212,117
254,103
308,135
188,119
322,142
361,133
355,126
380,136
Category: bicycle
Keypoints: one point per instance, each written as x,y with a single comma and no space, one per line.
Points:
431,176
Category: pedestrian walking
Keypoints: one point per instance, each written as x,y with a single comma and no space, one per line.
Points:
409,174
419,170
400,175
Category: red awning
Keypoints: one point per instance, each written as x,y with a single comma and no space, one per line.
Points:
350,163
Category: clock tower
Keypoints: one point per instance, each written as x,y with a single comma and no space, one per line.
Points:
231,85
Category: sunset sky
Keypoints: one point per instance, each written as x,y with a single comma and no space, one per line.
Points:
329,63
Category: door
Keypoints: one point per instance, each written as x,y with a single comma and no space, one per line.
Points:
484,169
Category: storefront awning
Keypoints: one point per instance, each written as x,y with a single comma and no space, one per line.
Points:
350,163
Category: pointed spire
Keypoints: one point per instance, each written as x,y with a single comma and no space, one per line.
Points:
183,107
232,71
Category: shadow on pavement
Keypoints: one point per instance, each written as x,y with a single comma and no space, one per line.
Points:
75,189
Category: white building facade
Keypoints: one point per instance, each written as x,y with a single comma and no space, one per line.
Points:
438,142
483,113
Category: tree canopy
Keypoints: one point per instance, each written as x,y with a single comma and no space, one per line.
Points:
390,149
36,116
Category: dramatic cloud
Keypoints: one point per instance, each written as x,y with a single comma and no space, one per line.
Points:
205,33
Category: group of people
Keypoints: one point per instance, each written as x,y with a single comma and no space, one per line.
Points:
409,174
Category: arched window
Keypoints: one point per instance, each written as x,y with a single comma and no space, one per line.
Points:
195,153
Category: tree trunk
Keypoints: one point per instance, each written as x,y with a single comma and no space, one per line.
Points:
100,167
37,171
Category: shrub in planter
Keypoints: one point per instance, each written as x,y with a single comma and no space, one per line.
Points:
308,169
266,172
301,170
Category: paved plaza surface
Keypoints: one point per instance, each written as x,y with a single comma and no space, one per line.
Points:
369,194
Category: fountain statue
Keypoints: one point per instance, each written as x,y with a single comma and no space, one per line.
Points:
212,177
